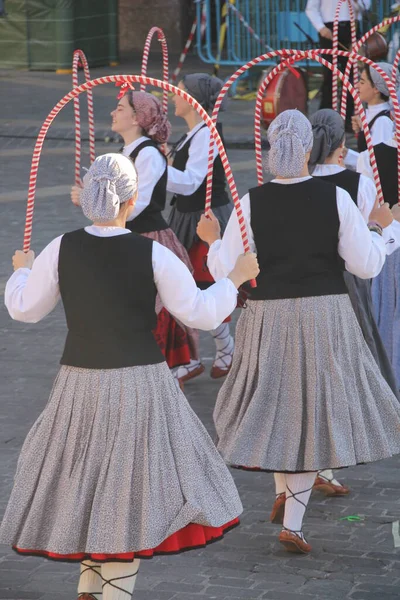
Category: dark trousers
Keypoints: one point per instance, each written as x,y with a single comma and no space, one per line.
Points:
326,89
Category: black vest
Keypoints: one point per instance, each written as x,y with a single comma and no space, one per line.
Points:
151,219
196,201
361,143
386,160
296,232
108,291
347,180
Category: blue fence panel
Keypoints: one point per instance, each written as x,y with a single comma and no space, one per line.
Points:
273,23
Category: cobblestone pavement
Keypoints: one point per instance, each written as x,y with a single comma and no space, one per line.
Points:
350,559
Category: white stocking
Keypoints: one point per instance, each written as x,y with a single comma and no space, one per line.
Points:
186,369
90,579
225,345
298,491
329,476
280,483
119,579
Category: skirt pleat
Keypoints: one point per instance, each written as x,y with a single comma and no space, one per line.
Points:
117,464
304,392
385,297
361,300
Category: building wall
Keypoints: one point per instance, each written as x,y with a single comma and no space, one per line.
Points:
136,17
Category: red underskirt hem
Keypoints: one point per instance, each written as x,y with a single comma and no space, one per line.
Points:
189,538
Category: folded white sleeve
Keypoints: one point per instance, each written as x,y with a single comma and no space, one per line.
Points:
363,251
222,254
201,309
31,294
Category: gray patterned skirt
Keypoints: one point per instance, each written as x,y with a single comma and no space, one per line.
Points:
304,392
361,301
184,224
118,466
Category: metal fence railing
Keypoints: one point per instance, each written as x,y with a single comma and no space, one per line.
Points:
238,30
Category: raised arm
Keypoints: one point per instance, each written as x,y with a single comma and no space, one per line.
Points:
223,253
31,294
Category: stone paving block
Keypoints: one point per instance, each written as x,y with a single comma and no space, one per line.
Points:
327,589
175,586
152,595
14,594
282,595
220,591
236,583
373,596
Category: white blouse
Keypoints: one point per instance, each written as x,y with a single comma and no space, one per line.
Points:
188,181
366,198
323,11
150,166
31,294
363,252
381,131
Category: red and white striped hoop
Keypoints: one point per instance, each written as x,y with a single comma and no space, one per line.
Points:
335,47
118,79
79,59
146,51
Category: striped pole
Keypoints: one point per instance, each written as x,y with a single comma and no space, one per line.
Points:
79,60
186,49
119,80
335,46
248,27
146,51
395,67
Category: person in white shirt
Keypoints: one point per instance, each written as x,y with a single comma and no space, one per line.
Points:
374,93
117,467
304,393
385,287
321,13
326,160
140,120
187,181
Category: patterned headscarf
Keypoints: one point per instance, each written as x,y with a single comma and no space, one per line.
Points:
150,116
328,131
205,89
111,181
378,80
290,137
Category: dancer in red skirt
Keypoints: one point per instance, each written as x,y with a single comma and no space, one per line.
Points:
140,120
187,180
117,467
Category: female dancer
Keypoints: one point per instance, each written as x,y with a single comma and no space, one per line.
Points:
374,92
329,140
140,120
117,467
385,287
187,180
304,392
327,152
